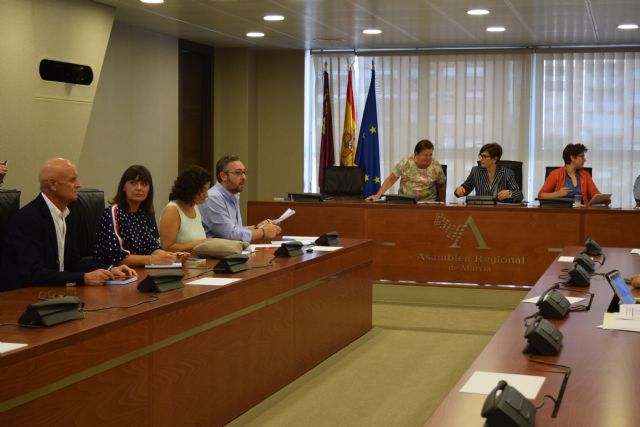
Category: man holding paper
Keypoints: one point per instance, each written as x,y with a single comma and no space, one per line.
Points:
221,211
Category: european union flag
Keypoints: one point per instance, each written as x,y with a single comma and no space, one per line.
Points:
368,152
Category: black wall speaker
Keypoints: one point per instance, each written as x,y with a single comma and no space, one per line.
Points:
65,72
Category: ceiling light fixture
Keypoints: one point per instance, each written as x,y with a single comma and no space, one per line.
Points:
371,31
152,1
477,12
496,29
628,26
255,34
273,18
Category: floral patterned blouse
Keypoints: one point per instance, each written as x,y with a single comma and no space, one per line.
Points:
416,182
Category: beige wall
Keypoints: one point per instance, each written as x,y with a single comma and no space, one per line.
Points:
40,119
135,116
259,115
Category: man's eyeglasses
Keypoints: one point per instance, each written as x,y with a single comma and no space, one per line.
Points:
484,156
238,173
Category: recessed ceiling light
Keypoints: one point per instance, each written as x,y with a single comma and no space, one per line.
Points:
371,31
255,34
477,12
152,1
628,26
273,18
496,29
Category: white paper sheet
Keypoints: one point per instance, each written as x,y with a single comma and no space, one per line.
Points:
635,251
629,311
325,248
121,281
572,300
163,266
10,346
284,216
213,281
611,321
565,259
305,240
483,382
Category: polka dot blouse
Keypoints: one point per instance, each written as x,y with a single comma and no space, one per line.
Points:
121,233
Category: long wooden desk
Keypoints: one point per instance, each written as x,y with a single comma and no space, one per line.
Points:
201,355
501,245
602,390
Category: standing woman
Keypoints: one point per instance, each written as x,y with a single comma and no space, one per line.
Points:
571,179
490,179
180,224
127,232
421,176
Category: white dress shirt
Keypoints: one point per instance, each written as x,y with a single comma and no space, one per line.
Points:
60,226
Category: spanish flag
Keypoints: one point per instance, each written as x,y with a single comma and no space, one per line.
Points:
326,142
348,151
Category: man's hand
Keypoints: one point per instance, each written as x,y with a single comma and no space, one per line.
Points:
97,277
271,230
460,191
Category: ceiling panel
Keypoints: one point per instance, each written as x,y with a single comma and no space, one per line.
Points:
338,24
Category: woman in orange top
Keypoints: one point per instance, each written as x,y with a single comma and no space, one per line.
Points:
571,179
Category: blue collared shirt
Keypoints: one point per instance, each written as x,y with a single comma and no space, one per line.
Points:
221,215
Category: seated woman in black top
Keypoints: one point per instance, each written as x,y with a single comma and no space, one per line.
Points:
127,232
490,179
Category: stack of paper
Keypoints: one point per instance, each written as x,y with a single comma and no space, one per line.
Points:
616,322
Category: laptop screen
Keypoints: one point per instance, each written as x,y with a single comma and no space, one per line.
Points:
619,287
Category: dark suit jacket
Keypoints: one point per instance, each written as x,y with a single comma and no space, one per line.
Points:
30,253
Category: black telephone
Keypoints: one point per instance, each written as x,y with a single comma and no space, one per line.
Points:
232,264
552,304
52,311
591,247
585,261
505,407
328,239
289,249
162,281
578,276
543,338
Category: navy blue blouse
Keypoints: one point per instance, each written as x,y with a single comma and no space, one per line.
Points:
121,233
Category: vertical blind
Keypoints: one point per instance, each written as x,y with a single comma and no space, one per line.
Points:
461,102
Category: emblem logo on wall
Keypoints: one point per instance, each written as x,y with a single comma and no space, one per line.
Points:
454,232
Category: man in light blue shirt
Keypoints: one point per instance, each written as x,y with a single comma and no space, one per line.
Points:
221,210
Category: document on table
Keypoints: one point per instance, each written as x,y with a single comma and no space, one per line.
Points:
10,346
483,382
123,281
305,240
572,300
160,266
213,281
635,251
565,259
325,248
613,321
284,216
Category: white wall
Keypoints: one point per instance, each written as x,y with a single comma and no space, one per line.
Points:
40,119
135,114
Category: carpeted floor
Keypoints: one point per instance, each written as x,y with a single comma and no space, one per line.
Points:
422,341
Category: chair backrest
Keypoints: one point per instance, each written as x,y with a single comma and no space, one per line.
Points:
9,205
85,214
515,166
549,169
444,169
344,181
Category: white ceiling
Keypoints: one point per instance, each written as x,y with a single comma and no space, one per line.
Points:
338,24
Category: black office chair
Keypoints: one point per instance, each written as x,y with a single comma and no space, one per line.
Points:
84,216
344,182
549,169
515,166
444,169
9,205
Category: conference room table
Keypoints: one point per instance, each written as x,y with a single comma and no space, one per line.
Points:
490,245
199,355
603,387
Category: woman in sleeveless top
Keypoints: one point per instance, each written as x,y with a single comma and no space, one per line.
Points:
181,225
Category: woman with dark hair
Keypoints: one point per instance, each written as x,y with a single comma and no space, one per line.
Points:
127,232
180,224
491,179
420,175
570,180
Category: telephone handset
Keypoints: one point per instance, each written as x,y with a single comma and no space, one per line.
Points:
505,407
552,304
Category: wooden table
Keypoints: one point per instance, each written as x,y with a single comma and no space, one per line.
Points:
603,388
200,355
503,245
